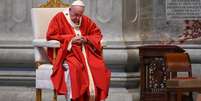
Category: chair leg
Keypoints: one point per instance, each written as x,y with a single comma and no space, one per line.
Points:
38,94
167,96
179,96
55,96
171,96
191,96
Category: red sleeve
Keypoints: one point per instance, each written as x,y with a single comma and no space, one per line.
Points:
54,33
94,36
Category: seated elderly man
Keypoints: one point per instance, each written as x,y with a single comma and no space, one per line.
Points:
81,50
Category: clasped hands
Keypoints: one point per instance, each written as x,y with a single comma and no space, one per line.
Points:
79,40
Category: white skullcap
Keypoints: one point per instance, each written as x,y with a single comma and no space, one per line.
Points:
78,3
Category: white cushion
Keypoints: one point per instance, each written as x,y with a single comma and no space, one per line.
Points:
43,76
44,71
44,84
45,67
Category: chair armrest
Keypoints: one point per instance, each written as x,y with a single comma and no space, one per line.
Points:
45,43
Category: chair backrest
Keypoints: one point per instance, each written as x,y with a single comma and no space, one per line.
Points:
40,21
178,62
41,18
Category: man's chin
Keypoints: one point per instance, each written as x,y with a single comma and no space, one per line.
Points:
76,22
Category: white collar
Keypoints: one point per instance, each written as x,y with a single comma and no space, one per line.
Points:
67,15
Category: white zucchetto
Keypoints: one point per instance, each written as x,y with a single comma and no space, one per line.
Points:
78,3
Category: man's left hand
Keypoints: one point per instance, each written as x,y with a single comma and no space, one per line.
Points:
83,40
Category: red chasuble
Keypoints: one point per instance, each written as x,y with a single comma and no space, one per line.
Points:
60,29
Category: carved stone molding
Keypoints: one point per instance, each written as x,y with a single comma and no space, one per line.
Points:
19,10
134,19
2,10
104,10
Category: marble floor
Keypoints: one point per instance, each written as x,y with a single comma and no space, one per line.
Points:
13,93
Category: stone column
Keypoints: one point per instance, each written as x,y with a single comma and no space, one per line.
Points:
16,33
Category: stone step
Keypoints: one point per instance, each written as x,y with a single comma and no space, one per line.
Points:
12,93
17,78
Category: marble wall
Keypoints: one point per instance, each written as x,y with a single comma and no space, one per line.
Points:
155,27
117,22
121,21
15,20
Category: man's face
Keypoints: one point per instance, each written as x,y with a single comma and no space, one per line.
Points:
76,13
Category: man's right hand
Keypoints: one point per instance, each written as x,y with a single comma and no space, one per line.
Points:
77,39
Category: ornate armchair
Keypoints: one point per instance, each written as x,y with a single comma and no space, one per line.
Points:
40,21
176,63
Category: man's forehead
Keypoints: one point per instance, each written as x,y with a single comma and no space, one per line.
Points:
77,8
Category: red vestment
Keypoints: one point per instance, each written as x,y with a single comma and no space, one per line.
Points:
60,29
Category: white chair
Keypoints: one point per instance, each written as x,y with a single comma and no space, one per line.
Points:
40,21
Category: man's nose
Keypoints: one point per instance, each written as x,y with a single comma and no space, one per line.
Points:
78,17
